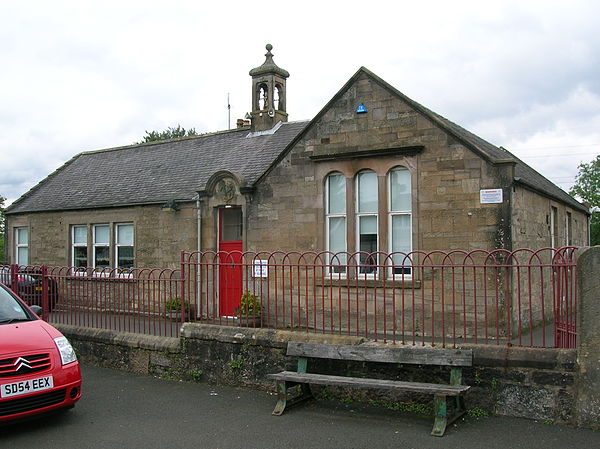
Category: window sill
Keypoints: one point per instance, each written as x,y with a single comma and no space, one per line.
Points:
406,284
100,276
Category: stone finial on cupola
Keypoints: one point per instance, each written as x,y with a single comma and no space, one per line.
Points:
268,94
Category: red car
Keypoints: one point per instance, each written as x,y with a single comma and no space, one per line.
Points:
39,371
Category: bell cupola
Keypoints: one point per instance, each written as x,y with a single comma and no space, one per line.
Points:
268,94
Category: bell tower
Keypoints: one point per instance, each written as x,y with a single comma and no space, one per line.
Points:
268,94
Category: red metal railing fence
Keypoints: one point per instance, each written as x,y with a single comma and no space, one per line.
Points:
523,297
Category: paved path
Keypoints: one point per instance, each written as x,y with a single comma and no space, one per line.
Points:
122,410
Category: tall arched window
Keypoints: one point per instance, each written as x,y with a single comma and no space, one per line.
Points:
367,206
335,217
400,218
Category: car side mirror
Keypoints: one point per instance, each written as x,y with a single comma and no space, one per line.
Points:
36,309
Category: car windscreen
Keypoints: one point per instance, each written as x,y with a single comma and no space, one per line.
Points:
10,309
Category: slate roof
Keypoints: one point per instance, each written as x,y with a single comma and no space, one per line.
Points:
156,172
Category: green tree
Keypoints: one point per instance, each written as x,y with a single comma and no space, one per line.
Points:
2,199
169,133
587,187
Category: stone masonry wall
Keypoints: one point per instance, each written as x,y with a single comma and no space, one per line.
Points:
529,383
531,222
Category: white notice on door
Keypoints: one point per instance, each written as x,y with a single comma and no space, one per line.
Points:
490,196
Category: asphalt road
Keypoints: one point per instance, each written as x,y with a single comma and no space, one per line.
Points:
122,410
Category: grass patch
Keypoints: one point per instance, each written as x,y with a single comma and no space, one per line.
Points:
196,375
477,413
236,365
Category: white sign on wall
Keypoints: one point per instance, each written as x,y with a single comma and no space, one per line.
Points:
261,268
490,196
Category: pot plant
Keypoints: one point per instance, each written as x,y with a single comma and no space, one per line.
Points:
173,309
249,311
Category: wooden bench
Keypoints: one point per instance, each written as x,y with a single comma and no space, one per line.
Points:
442,393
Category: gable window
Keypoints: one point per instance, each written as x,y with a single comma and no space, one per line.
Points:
400,218
335,218
79,251
101,251
366,220
124,245
22,246
381,220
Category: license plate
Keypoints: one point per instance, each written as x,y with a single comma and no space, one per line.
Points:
38,289
26,386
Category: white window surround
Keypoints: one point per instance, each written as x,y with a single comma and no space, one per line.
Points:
103,249
397,223
22,246
101,246
124,246
335,221
367,220
79,252
400,219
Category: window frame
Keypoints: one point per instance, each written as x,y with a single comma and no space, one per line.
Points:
112,247
20,246
74,245
328,218
358,214
118,245
395,213
96,246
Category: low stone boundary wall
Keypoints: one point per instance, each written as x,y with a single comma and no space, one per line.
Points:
532,383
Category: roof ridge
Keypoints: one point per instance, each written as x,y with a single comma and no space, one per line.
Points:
164,141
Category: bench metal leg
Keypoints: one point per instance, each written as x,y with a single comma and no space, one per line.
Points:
283,400
441,415
442,419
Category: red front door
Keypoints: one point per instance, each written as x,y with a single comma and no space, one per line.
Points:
230,259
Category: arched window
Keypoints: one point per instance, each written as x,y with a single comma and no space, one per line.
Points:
400,218
335,217
367,206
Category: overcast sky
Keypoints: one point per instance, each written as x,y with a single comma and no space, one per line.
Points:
85,75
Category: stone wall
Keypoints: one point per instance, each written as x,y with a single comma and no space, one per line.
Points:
531,222
588,385
529,383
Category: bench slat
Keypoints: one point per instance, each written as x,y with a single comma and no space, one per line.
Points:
325,379
401,354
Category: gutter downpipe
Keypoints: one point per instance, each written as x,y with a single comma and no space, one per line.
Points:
199,223
198,247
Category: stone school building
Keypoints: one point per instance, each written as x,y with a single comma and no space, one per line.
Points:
372,171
